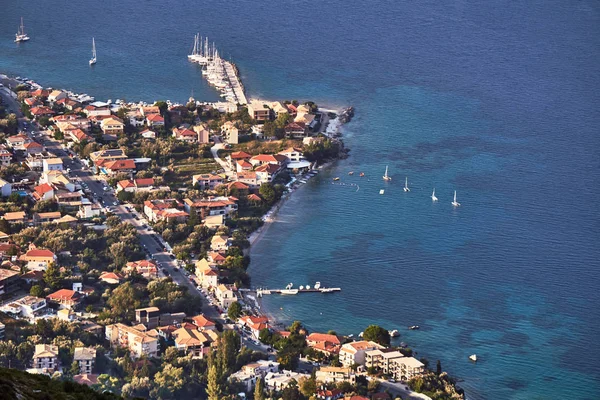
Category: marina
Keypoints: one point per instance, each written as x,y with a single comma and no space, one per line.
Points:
290,290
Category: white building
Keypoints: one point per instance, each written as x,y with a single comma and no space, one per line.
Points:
52,164
249,373
354,352
280,380
86,358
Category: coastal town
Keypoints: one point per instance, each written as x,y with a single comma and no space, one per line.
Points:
125,230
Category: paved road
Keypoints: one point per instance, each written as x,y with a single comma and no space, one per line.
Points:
400,388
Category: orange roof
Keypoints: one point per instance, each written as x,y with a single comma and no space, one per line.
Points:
32,144
201,321
119,164
269,158
323,337
238,185
268,168
111,275
254,197
155,118
39,253
144,182
65,294
125,184
43,189
238,155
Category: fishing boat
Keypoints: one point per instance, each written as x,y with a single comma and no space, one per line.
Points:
93,59
433,196
455,203
362,174
406,189
337,178
386,177
414,327
473,357
21,36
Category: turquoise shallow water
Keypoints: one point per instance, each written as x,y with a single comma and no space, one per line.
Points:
497,100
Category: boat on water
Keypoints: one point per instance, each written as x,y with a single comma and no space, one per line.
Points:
386,177
351,173
414,327
289,291
361,174
21,36
394,333
406,189
473,357
93,59
337,178
317,285
381,191
433,196
361,334
454,202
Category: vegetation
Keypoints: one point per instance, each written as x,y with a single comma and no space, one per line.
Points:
377,334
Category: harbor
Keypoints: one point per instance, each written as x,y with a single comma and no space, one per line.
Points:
220,73
290,290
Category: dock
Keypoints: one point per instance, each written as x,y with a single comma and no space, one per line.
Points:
289,290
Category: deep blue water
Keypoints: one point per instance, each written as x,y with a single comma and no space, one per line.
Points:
498,100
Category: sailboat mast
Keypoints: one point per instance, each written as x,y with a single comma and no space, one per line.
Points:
22,27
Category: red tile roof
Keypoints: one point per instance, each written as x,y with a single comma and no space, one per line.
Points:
202,322
41,111
237,185
239,155
144,182
268,168
323,337
39,253
155,118
119,164
65,295
43,189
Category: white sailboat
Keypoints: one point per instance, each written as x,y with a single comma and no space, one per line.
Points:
433,196
20,36
406,189
93,59
386,177
455,203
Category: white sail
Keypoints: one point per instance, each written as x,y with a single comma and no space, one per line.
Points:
433,196
455,203
406,189
93,59
386,177
20,35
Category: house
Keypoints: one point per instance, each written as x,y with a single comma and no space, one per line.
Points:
108,155
15,217
292,154
112,126
253,324
5,156
18,141
45,357
39,93
296,130
267,173
335,374
242,165
207,275
191,341
66,298
219,242
41,218
149,110
38,259
141,184
225,296
112,278
125,186
259,111
31,306
9,282
136,118
168,209
248,178
155,120
230,132
207,181
280,380
254,198
93,111
394,363
148,134
203,323
66,315
41,111
145,268
78,136
88,209
4,238
117,166
33,148
278,108
203,134
5,188
214,221
43,192
212,206
185,135
149,317
56,95
215,257
237,186
329,394
261,159
86,379
354,352
72,121
323,342
249,373
138,342
86,358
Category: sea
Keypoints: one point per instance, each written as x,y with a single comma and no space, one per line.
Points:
496,100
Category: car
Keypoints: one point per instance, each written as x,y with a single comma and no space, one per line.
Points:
115,203
172,256
391,381
106,189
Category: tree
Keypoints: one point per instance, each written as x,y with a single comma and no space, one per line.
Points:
167,382
234,311
259,390
123,301
373,385
438,367
213,388
52,276
377,334
267,192
291,392
74,370
308,387
37,291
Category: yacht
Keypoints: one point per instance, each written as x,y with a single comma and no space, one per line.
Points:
406,189
381,191
386,177
394,333
473,357
455,203
414,327
433,196
337,178
317,285
93,59
289,291
362,174
21,36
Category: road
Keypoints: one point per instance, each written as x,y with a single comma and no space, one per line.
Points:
215,153
400,389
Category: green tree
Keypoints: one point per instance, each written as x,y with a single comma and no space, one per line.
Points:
52,276
308,387
291,392
213,388
74,370
37,291
123,301
167,382
259,390
234,311
438,367
377,334
267,192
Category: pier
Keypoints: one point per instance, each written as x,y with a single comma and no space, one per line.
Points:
289,290
221,74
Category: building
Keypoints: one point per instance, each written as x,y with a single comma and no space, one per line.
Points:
275,159
249,373
112,126
329,394
335,374
259,111
38,259
108,155
148,316
267,173
225,296
219,242
296,130
207,275
148,134
203,323
5,156
207,181
9,282
45,357
56,95
31,306
169,209
323,342
66,298
212,206
139,343
191,341
113,167
112,278
66,315
86,358
146,268
292,154
16,217
253,324
203,134
354,352
280,380
185,135
155,120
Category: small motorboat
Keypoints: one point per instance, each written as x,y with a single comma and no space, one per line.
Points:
361,334
381,191
350,336
414,327
362,174
351,173
473,357
337,178
394,333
